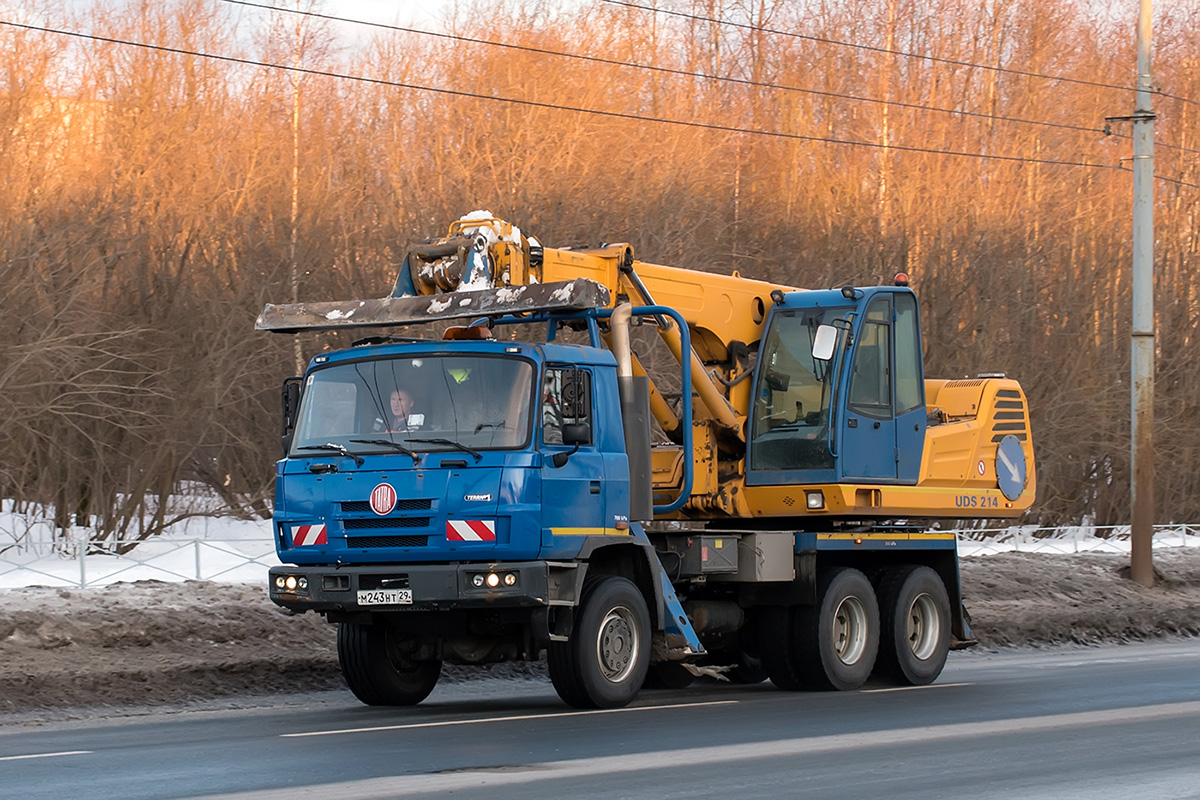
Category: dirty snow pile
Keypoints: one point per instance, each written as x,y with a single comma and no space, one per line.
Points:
151,642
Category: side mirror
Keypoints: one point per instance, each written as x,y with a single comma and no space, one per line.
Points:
290,400
824,343
577,433
574,434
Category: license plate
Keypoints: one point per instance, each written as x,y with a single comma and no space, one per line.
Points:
385,597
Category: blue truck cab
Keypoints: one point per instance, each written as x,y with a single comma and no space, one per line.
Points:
455,525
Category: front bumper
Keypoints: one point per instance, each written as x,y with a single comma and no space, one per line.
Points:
434,587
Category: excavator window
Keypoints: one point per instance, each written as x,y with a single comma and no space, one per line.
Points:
871,378
909,384
790,423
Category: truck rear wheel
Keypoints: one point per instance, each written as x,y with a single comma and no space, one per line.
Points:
604,663
668,675
837,640
777,646
916,626
379,668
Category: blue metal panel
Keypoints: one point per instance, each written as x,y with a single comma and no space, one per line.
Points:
910,443
500,490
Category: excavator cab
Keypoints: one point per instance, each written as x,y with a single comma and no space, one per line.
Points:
850,412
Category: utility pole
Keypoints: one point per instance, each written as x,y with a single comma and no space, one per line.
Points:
294,268
1141,561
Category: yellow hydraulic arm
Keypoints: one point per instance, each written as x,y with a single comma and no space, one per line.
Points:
720,310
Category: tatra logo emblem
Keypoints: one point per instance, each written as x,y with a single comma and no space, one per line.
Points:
383,499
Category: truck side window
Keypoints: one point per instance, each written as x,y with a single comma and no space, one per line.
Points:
566,400
871,380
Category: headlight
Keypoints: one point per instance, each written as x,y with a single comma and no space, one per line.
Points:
510,579
815,500
493,580
278,581
477,581
290,583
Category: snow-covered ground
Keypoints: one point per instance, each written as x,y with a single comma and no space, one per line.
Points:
226,550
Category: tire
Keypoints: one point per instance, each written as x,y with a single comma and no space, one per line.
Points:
604,663
837,640
745,657
915,640
777,647
741,667
379,669
668,675
748,670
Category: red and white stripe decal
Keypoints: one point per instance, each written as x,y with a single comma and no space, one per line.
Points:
471,530
308,534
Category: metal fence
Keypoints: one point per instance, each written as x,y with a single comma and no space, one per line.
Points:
1069,539
79,564
245,560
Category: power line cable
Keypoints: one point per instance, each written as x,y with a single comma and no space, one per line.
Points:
708,76
559,107
875,49
670,70
1187,100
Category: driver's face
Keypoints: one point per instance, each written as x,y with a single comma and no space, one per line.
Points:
401,403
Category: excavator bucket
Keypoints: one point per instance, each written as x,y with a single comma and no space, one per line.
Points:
564,296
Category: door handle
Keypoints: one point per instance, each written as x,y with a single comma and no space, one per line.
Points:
594,487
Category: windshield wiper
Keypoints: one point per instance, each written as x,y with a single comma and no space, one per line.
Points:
451,443
337,448
391,444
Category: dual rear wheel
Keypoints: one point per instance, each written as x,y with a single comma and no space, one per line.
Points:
901,634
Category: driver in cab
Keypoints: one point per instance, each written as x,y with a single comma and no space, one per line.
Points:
401,416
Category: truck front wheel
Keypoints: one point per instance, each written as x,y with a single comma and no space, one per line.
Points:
604,663
838,639
379,668
916,626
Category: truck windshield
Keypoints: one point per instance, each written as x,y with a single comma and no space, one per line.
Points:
476,402
790,425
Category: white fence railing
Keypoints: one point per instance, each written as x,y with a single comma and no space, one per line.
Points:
245,560
78,564
1069,539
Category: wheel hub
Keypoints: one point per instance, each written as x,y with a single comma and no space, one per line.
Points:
617,645
850,630
923,627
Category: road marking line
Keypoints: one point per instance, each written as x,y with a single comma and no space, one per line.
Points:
47,755
911,688
517,718
390,787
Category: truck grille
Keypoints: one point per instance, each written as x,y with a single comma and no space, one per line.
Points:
383,523
387,541
402,504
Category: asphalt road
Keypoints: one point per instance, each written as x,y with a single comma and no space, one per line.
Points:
1080,723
